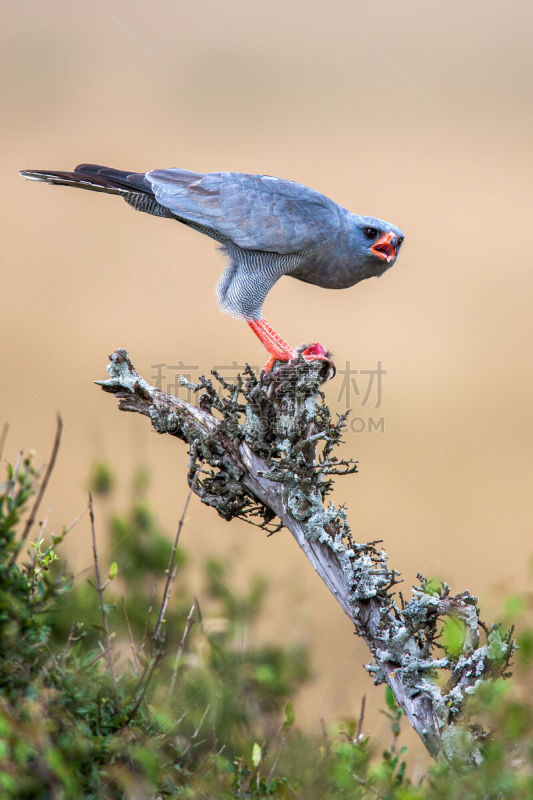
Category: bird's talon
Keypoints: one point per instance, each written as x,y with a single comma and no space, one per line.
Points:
283,357
311,352
317,352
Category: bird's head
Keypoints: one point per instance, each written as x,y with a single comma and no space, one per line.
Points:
377,241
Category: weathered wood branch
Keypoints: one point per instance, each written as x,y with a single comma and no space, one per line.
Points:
262,449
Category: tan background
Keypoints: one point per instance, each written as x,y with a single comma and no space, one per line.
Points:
416,112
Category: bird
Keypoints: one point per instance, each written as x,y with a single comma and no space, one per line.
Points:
267,227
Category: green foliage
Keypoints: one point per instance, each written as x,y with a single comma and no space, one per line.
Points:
453,636
101,479
73,722
101,698
432,586
25,595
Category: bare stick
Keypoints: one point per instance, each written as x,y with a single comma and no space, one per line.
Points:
13,482
70,639
74,522
144,683
136,664
177,661
197,730
99,589
42,526
145,677
171,573
148,616
361,719
42,489
325,737
3,437
282,738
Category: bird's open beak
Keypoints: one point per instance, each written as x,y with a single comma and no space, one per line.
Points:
385,247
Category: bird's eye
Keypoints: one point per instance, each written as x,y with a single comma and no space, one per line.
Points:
370,233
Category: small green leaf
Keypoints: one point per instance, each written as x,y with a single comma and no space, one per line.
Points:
432,586
453,636
101,479
514,605
113,569
497,647
8,783
289,716
256,755
390,699
525,647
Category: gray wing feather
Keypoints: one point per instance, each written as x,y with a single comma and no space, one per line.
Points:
257,212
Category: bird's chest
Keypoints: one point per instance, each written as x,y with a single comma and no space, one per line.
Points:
331,269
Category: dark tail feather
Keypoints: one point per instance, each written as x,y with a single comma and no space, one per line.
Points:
95,178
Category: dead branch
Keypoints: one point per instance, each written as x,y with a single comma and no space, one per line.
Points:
262,449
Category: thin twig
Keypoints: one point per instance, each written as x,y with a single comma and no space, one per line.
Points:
170,576
95,660
197,731
3,437
148,616
361,719
325,736
74,522
188,625
13,481
42,489
43,525
67,645
52,658
169,585
147,676
282,738
108,648
136,663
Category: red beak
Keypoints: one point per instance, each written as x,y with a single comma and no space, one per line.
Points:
385,247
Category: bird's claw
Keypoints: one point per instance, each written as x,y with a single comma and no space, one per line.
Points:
317,352
284,357
310,352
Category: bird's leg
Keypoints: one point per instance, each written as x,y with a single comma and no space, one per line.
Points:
279,349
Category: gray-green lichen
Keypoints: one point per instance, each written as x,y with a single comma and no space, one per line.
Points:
123,375
284,419
459,745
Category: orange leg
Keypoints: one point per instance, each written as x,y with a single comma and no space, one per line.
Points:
279,349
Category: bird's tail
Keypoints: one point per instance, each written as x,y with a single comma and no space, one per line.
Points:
95,178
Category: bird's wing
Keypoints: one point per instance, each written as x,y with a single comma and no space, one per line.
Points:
256,212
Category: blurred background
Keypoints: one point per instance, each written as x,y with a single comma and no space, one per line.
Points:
415,112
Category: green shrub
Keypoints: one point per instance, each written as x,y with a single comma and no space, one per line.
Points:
107,699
